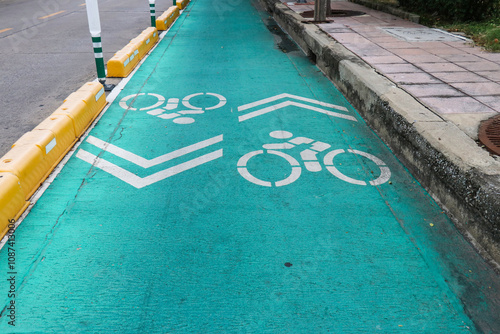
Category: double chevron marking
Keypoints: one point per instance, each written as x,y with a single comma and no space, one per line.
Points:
140,182
290,102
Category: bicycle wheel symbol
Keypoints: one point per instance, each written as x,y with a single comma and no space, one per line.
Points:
243,170
167,111
385,173
309,156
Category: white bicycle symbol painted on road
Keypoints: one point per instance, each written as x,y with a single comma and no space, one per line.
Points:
309,157
177,117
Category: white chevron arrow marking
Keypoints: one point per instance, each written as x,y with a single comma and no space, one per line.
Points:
285,95
297,104
145,163
140,182
292,103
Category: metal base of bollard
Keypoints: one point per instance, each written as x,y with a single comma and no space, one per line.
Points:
107,87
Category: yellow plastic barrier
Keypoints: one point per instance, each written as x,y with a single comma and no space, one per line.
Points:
145,41
182,4
36,153
12,201
64,131
83,106
123,62
28,164
167,18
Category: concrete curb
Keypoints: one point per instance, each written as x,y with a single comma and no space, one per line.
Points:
462,177
35,155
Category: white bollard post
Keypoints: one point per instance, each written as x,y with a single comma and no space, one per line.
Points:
95,32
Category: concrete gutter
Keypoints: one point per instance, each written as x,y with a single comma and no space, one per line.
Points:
463,178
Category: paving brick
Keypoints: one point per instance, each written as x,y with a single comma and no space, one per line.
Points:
412,78
456,105
350,38
397,68
479,66
478,89
384,60
430,45
461,57
440,67
396,45
427,90
460,45
491,101
410,52
459,77
423,59
446,51
382,39
491,56
493,76
368,50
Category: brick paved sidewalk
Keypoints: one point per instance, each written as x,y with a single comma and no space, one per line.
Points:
459,82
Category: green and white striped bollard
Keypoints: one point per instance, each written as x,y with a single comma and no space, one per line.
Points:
95,32
152,10
99,58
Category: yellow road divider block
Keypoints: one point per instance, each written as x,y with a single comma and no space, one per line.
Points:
34,156
83,106
64,131
12,201
182,4
27,163
145,41
46,141
167,18
125,60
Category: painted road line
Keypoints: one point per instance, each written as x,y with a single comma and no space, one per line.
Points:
289,96
50,15
4,30
145,163
282,105
140,182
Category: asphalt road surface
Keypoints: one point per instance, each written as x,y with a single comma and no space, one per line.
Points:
46,54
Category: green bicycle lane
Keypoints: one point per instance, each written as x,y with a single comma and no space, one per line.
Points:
231,188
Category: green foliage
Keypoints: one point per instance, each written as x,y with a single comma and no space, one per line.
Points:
454,10
492,39
484,33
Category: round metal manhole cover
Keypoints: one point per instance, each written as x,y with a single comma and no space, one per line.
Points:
334,13
489,134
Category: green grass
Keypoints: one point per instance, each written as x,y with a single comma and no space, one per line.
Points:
486,33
